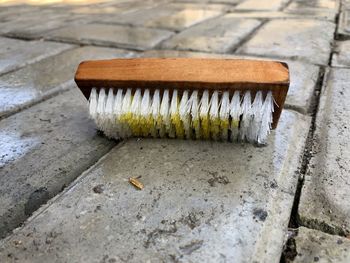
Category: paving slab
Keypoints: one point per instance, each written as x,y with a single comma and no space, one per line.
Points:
316,246
31,26
35,29
323,202
303,76
43,149
230,2
211,5
281,15
202,202
344,23
271,5
305,39
116,8
165,16
322,8
341,54
111,35
304,5
218,35
18,53
37,81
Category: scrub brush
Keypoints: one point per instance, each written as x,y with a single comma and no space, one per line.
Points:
187,98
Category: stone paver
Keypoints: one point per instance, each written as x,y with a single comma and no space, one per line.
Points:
166,17
271,5
316,246
323,202
42,150
323,8
304,39
341,54
31,26
42,79
218,35
111,35
230,2
18,53
212,5
116,8
344,23
303,76
202,202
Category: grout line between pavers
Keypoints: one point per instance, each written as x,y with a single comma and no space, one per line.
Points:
289,252
59,89
249,36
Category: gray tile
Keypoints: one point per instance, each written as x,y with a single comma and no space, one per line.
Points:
344,23
318,8
202,202
322,203
42,79
279,15
271,5
18,53
316,246
111,35
43,149
341,54
304,39
167,17
218,35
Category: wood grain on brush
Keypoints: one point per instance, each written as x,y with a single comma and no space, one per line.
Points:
187,73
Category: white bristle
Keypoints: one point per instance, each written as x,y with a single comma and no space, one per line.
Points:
155,108
266,118
195,114
235,113
214,116
101,106
125,130
184,111
204,115
246,115
93,103
224,114
108,125
117,111
164,122
142,113
255,120
174,114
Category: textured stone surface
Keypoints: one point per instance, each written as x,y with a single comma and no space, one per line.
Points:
304,39
341,54
262,5
31,26
38,80
318,8
323,202
344,23
201,202
116,7
42,150
282,15
303,76
218,35
111,35
315,246
18,53
172,18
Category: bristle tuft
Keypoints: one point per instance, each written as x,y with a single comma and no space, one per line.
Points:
186,115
